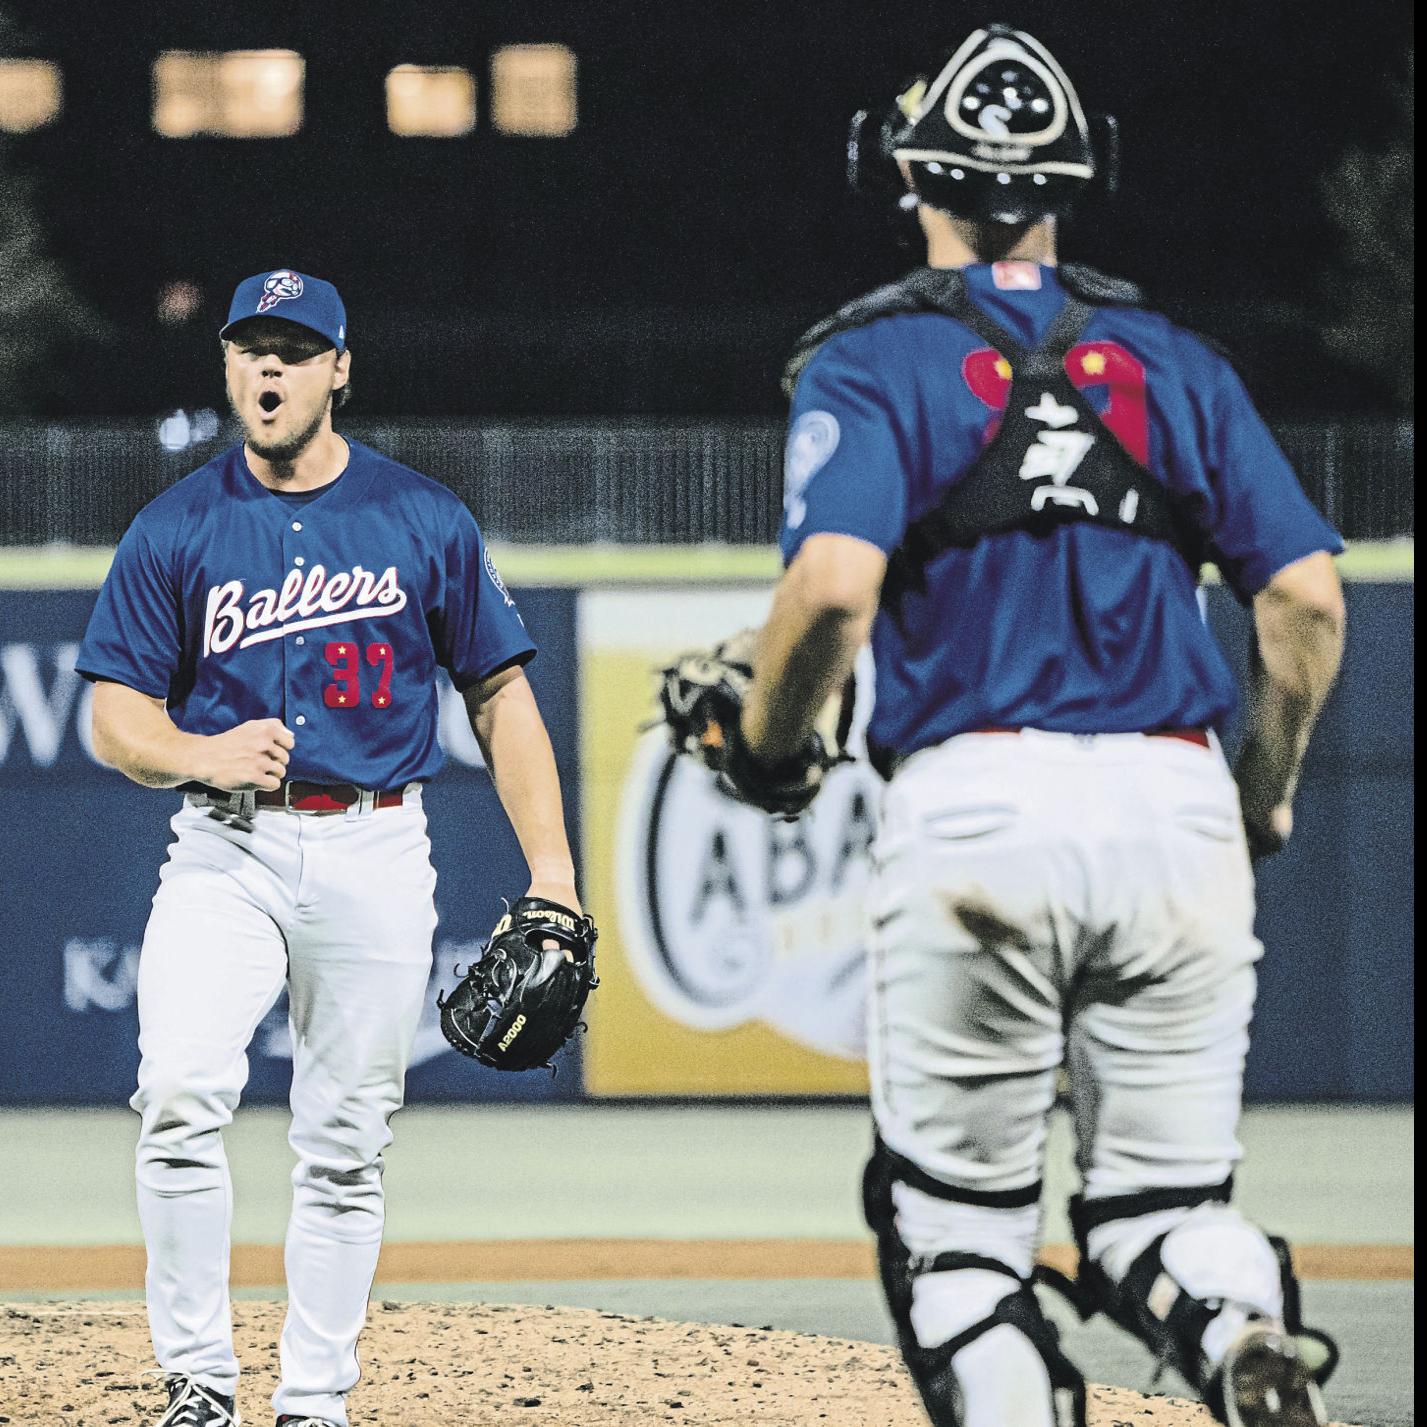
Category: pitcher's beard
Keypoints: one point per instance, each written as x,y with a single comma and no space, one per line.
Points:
286,448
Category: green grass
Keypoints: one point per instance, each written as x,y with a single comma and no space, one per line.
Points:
75,567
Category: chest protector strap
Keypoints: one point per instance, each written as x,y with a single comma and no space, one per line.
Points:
1052,459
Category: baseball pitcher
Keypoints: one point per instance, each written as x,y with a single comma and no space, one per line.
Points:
1010,472
267,642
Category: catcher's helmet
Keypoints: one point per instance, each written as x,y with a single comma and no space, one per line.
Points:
995,133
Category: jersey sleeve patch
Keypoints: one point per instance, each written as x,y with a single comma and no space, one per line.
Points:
494,575
475,634
811,444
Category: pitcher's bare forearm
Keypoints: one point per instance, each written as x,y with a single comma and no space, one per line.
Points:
516,747
134,733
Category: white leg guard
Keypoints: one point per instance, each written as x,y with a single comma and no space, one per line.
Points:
928,1225
956,1272
1210,1254
1186,1277
1000,1376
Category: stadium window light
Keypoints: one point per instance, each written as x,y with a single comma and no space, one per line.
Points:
533,90
430,101
31,94
238,94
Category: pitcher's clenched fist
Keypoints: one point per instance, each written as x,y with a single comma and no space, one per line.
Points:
253,755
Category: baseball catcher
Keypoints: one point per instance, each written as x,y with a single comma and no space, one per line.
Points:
521,1000
702,702
1008,472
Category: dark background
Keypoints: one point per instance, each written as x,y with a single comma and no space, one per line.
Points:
662,257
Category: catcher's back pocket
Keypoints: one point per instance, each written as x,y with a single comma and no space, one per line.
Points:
1209,820
1201,800
969,822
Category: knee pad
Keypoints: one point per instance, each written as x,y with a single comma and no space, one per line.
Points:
933,1369
1204,1264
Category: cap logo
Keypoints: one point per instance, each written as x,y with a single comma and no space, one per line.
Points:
1016,277
278,287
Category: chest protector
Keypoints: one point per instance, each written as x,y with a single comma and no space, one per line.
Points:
1052,459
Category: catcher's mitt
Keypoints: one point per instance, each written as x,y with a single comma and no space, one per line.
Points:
518,1004
702,701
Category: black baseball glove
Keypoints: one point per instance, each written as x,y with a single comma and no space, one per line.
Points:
701,697
519,1003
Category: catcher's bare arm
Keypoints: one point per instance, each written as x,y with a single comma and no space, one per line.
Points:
516,747
822,613
1300,620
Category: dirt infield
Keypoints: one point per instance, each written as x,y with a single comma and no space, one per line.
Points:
455,1365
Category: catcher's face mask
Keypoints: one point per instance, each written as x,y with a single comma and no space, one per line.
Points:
996,134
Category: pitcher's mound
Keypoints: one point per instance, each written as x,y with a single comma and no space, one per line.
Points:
468,1365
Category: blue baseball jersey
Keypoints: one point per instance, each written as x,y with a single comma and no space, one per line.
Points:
332,613
1086,629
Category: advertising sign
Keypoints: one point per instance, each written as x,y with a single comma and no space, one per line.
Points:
731,945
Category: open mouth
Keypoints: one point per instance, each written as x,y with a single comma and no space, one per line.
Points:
270,401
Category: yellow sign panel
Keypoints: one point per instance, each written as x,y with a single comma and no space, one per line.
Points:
731,953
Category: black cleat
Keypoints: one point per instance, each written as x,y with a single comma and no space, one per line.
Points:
190,1404
1264,1382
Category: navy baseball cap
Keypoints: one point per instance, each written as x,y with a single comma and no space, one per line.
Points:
295,297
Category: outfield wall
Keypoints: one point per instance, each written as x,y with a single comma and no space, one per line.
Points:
732,948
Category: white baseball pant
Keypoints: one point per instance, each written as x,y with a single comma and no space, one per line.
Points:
1042,899
340,909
